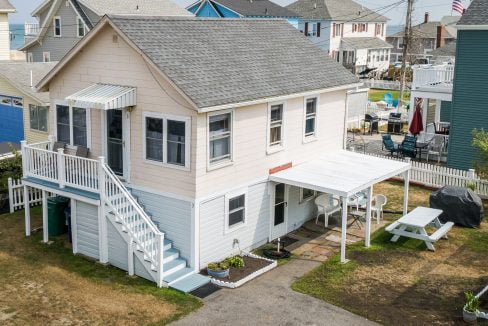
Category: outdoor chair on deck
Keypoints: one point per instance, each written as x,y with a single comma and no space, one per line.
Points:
377,209
408,147
327,205
82,152
389,145
58,145
435,147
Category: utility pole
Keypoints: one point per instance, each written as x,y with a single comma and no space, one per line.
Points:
407,39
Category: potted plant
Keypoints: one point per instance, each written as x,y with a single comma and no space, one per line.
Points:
471,307
235,262
219,270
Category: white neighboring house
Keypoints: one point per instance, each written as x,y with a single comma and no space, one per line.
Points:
6,8
351,33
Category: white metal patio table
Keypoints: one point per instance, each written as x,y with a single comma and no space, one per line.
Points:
414,223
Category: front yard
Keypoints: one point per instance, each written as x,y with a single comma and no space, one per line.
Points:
46,284
403,283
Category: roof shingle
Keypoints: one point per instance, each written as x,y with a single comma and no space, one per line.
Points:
476,14
135,7
257,8
351,43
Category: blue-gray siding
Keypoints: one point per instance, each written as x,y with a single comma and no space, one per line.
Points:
469,109
445,111
173,216
298,213
87,229
117,248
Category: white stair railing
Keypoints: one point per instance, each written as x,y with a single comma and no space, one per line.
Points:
139,226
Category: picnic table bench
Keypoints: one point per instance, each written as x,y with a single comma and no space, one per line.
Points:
413,226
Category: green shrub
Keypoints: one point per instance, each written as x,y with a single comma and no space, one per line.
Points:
218,266
236,261
10,168
472,302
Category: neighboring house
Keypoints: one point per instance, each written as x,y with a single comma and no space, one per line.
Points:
351,33
63,23
6,8
446,53
427,37
241,9
192,115
23,111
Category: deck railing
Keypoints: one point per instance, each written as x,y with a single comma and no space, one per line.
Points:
31,29
432,76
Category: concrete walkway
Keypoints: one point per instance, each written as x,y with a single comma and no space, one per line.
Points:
269,300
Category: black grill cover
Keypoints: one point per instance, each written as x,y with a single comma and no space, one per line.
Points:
459,205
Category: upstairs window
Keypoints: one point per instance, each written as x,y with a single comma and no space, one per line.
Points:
338,29
80,27
310,117
57,26
275,126
46,56
38,117
312,29
72,125
220,138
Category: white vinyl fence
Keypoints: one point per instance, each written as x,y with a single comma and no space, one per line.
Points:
439,176
16,195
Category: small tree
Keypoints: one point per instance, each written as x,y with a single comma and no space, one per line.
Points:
480,142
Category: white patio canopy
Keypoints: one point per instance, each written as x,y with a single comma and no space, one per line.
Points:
104,97
344,174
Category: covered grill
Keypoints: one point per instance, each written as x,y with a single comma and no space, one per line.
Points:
373,121
395,123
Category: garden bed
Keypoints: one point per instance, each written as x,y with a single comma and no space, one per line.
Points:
254,266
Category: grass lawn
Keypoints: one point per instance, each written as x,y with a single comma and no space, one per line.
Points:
46,284
402,283
376,95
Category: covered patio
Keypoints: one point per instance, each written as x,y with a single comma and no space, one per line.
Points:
343,174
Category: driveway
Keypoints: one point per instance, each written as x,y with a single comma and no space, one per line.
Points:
269,300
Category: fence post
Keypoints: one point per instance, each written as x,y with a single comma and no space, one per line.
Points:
61,169
50,138
10,195
25,157
472,179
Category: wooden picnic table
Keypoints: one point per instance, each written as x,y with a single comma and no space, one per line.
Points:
414,223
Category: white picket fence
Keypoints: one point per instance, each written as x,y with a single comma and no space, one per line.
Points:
16,195
437,176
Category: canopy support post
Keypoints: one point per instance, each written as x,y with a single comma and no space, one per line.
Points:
405,189
344,230
367,231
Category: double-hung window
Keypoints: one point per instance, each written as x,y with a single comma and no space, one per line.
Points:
220,138
235,210
72,125
80,27
310,125
275,126
167,139
38,117
57,26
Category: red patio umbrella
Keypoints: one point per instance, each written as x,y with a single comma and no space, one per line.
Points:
416,126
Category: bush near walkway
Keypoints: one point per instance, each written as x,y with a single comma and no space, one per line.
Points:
402,283
46,284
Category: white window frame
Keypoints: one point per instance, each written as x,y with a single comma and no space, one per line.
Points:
217,165
312,29
47,118
271,149
165,118
304,200
88,123
228,197
314,136
80,22
30,57
46,55
338,30
60,26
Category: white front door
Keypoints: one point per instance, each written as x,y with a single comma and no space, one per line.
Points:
279,211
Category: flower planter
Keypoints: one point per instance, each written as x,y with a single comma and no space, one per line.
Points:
469,317
218,273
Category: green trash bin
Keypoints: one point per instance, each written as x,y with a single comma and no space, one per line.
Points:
56,219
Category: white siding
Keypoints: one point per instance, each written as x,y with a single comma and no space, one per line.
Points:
4,37
87,229
298,213
215,244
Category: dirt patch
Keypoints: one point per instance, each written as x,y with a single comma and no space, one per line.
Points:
251,265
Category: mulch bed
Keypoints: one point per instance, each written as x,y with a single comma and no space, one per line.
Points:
251,265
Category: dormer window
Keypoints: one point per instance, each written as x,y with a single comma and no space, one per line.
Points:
57,26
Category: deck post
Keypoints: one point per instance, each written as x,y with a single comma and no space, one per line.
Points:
405,189
61,168
367,231
102,218
45,227
160,248
27,212
344,229
11,195
130,256
50,138
23,151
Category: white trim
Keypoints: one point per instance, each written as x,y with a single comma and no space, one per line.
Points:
280,227
55,118
472,27
277,98
161,193
60,192
78,21
230,161
315,135
304,200
195,236
30,57
271,149
46,56
242,192
165,118
206,198
60,26
126,143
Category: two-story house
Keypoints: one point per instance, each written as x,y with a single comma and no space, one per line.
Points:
205,137
6,8
426,37
351,33
63,23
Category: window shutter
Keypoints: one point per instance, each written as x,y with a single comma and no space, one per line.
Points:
318,29
306,29
333,30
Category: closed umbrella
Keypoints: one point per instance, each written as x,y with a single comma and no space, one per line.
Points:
416,126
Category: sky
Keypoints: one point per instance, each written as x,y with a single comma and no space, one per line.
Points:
437,9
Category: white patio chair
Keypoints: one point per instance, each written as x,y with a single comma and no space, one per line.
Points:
435,147
377,208
327,205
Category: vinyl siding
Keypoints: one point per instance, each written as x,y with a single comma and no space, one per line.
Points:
87,229
117,248
215,243
173,216
92,16
4,37
445,111
469,110
298,213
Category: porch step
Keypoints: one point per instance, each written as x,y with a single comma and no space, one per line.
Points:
176,276
173,266
190,283
170,254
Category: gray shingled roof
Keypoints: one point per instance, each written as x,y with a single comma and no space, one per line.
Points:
226,61
5,5
135,7
256,8
19,75
342,10
350,43
476,14
425,30
448,50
